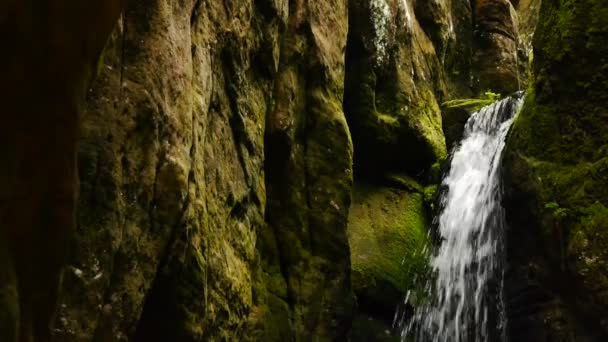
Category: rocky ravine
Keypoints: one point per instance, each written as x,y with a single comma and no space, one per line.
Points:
216,163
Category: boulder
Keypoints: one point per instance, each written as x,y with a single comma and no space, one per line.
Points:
387,230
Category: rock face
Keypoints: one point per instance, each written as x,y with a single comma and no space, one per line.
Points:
403,59
392,76
496,38
194,224
527,11
556,162
309,171
42,85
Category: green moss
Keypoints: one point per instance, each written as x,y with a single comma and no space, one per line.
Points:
557,152
427,120
100,64
404,182
387,233
430,193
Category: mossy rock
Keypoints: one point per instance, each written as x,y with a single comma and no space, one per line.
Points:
391,103
453,120
387,233
556,172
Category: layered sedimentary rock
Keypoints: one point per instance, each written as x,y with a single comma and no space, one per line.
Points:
556,161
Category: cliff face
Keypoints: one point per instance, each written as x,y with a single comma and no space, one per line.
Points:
393,74
556,166
496,39
184,231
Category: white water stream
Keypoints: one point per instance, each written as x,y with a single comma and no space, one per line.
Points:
464,301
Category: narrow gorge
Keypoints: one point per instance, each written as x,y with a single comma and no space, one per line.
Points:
304,170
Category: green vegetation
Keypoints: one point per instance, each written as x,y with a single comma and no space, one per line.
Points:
473,104
557,154
555,209
388,235
430,194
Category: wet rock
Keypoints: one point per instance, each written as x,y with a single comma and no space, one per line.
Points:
496,37
392,78
555,166
201,225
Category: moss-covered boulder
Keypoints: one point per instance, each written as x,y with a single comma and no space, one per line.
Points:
387,230
556,166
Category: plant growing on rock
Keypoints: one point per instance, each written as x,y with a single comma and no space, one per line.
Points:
474,105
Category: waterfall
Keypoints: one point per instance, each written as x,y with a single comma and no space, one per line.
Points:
380,13
464,292
408,14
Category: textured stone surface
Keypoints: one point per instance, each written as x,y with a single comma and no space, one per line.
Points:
527,12
216,163
172,241
496,37
392,78
387,232
309,170
556,166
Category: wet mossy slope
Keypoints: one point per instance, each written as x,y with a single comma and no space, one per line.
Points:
557,172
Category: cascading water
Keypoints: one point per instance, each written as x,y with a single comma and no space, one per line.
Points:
464,301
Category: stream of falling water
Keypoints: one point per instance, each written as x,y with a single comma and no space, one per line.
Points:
464,294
